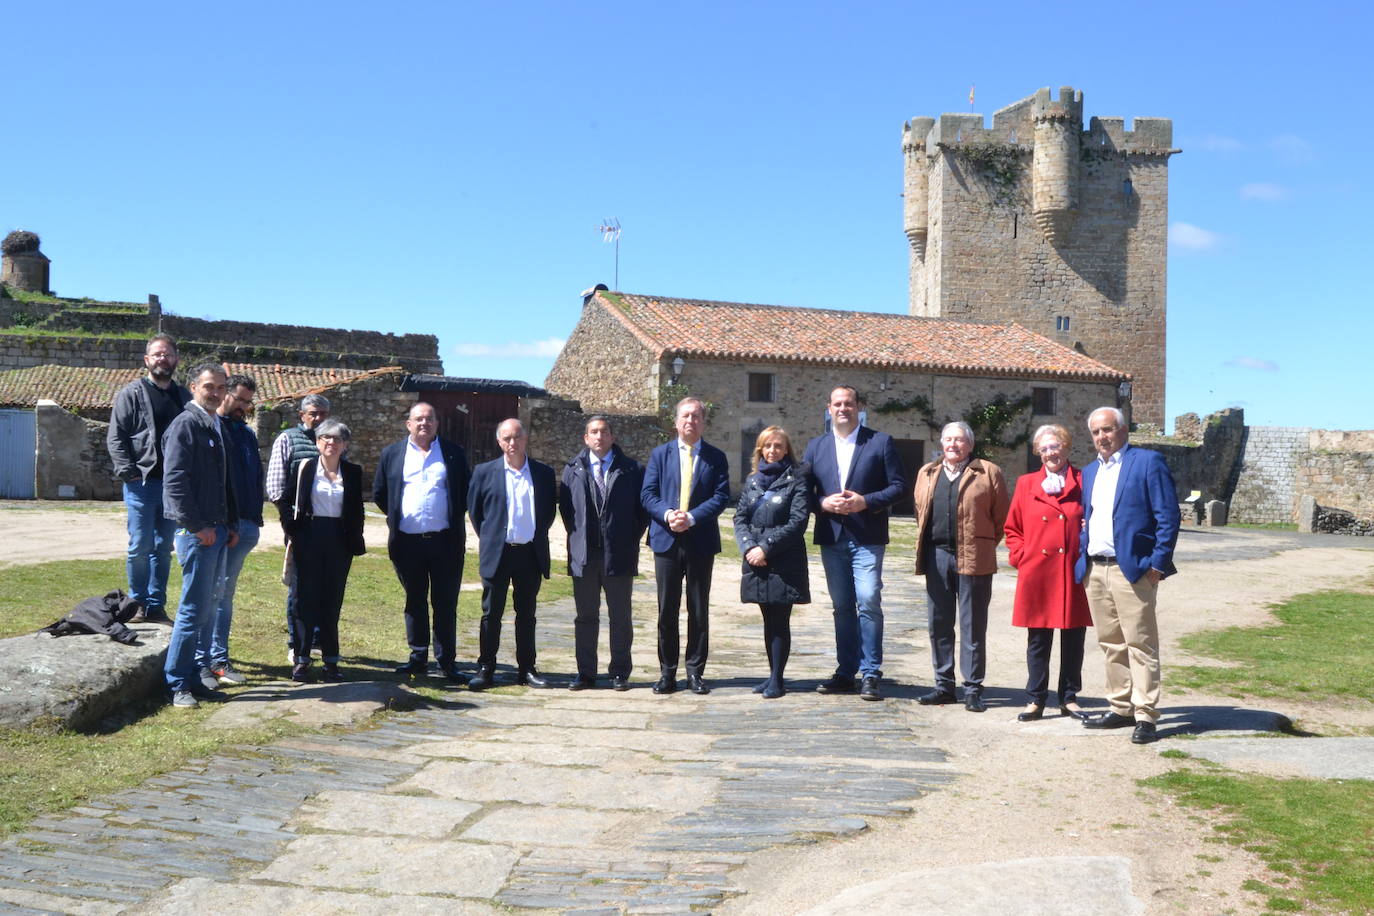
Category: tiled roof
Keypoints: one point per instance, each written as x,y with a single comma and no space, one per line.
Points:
85,387
779,333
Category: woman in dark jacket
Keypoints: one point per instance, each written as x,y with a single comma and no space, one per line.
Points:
770,528
322,514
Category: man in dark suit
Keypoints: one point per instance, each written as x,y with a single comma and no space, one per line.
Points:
686,486
512,501
599,503
1130,509
858,475
422,487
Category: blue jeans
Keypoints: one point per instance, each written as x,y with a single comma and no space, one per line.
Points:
215,652
196,614
854,576
150,544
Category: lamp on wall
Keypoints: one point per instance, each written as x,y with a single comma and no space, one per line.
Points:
678,365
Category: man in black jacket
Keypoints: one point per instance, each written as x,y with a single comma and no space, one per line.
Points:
422,488
143,409
198,497
599,504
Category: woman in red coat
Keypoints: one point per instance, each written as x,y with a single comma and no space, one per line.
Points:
1042,536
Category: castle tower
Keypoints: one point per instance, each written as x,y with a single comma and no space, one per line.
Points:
23,266
1037,221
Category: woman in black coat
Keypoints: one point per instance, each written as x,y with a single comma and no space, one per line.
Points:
322,514
770,528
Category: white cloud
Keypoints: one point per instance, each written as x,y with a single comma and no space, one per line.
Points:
1292,149
1252,362
549,346
1263,190
1192,238
1213,143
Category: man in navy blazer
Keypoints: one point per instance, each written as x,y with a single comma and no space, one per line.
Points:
512,501
685,538
422,487
858,475
1130,509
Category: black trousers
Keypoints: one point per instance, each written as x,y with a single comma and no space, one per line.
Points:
430,575
1039,641
671,569
587,591
323,559
518,572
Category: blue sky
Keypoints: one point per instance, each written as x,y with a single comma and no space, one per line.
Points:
442,167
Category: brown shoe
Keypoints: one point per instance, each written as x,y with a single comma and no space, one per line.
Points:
157,617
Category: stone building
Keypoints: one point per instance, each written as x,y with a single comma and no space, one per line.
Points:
1037,221
758,365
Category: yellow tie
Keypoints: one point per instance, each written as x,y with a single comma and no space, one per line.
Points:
684,501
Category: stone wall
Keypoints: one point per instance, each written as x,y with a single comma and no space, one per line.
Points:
603,365
73,462
1338,479
1207,464
556,427
299,337
19,351
1266,488
1097,256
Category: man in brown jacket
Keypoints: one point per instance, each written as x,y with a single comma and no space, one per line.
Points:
961,504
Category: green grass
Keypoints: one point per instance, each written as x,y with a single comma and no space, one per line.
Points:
1321,647
1265,526
44,771
1317,835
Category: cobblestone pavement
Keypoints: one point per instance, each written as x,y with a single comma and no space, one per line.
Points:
589,802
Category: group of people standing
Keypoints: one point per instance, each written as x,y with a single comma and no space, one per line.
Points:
1089,546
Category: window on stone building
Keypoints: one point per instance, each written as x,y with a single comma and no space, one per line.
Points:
1061,322
1042,402
761,387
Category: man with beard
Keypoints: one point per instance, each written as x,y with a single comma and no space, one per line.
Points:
143,409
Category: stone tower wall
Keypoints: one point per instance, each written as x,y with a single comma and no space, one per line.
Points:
1078,230
605,366
1267,486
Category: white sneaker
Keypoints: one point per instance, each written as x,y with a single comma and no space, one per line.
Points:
207,677
228,674
182,699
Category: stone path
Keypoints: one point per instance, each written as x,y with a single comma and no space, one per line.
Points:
591,802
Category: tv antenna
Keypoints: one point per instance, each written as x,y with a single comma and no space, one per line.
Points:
610,232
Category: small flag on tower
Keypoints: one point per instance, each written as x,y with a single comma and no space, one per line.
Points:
970,95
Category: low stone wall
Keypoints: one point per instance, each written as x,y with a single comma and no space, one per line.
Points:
1316,518
336,340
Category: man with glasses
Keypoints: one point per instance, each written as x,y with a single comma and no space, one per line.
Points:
143,409
245,473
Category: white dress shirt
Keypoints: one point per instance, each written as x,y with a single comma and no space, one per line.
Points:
844,454
1101,541
326,498
519,504
424,490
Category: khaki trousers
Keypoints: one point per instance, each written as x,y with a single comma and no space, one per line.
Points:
1127,631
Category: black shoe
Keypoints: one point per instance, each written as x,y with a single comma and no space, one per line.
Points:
837,684
331,673
761,686
1032,715
697,685
973,701
1078,714
300,673
158,617
1144,733
452,674
582,682
772,691
619,682
1110,720
665,684
486,677
416,666
869,690
531,678
937,698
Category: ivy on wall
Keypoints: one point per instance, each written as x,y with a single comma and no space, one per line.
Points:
993,422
